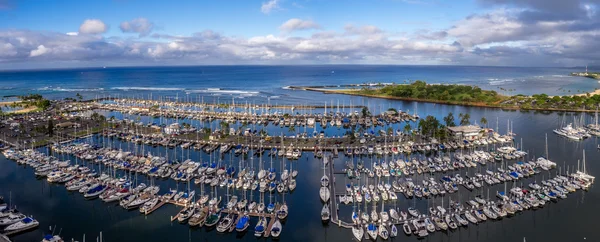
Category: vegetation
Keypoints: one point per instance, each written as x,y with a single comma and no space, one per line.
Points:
448,93
432,127
449,120
472,95
594,75
33,100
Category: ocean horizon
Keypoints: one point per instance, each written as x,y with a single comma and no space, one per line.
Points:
260,83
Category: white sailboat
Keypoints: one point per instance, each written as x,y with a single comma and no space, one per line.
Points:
324,194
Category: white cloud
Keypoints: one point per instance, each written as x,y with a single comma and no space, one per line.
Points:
72,33
92,26
139,25
298,24
40,50
7,50
268,6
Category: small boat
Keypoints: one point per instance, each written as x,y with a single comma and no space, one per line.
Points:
259,229
325,214
394,231
198,219
213,218
406,228
149,205
372,231
243,223
95,192
276,229
358,232
383,232
283,212
52,238
185,214
226,223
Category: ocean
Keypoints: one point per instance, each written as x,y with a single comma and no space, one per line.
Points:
570,219
267,83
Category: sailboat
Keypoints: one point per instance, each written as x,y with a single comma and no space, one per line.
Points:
394,232
243,223
259,229
324,194
358,232
383,232
325,214
276,229
372,231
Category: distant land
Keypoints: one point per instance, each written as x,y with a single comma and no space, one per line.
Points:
594,75
466,95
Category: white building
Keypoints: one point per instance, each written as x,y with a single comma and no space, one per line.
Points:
173,129
468,132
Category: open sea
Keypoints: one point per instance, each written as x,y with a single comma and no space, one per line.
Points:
570,219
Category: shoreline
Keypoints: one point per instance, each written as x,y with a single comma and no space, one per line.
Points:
482,105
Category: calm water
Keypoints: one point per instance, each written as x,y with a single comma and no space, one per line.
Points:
571,219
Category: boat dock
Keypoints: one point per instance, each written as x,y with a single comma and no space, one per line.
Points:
333,205
3,238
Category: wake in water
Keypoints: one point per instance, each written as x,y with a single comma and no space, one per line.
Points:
60,89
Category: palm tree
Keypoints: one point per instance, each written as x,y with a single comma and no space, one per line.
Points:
407,128
449,120
483,121
465,119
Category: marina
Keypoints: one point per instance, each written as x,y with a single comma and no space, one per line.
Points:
363,179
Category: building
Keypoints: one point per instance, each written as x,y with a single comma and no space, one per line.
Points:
468,132
173,129
67,125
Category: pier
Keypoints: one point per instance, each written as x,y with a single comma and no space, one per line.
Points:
333,205
3,238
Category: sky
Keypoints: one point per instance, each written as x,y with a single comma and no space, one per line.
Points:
94,33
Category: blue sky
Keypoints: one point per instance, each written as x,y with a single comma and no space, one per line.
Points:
38,33
243,18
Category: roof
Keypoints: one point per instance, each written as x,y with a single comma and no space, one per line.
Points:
65,124
465,129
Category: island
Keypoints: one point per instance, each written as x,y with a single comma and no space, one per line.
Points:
466,95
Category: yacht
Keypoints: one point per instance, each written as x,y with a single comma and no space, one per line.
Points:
95,192
26,223
11,219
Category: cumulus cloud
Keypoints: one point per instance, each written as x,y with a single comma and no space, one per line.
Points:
298,24
92,26
40,50
139,25
269,6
